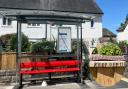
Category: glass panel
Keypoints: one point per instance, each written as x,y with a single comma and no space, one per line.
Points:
33,25
9,22
38,24
4,21
92,23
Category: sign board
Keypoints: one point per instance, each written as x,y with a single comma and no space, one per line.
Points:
64,39
107,64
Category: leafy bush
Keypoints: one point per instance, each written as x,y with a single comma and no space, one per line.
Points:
25,44
9,41
124,46
42,46
123,43
95,51
74,47
110,49
6,41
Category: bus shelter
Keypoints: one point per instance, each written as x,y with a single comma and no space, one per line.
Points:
57,12
63,20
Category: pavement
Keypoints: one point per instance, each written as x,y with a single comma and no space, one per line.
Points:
123,84
88,85
6,87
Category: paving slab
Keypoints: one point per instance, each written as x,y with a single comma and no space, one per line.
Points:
6,87
72,85
87,85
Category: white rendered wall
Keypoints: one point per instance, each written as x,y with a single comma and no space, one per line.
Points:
7,29
89,33
39,32
34,32
123,36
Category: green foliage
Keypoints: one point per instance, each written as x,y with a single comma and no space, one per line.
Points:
10,41
122,43
25,43
95,51
127,17
110,49
74,46
42,46
6,41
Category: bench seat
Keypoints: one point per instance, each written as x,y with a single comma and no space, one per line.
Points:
45,71
48,67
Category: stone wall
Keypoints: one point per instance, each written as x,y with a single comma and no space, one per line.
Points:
7,76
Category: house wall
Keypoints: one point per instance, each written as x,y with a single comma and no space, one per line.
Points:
123,36
90,34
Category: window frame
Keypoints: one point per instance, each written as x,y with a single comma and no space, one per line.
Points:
92,23
33,25
6,21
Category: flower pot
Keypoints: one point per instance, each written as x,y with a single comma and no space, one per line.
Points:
107,70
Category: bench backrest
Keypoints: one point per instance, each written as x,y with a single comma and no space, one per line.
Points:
49,64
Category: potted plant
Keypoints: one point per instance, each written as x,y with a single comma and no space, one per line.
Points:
44,46
107,64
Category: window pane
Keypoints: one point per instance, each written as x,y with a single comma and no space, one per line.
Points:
38,24
4,21
33,24
9,22
92,23
29,24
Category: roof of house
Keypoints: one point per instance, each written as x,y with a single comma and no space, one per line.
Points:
77,6
122,27
108,33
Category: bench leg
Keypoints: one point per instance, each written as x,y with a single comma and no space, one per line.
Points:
20,81
78,77
50,76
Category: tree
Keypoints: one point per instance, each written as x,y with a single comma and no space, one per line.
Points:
127,17
124,24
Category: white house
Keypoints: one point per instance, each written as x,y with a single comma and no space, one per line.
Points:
92,30
123,32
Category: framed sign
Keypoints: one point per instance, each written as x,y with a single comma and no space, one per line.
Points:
107,64
64,40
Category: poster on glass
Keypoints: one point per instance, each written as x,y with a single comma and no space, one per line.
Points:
64,40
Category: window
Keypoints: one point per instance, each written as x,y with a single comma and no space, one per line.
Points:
33,25
92,23
7,22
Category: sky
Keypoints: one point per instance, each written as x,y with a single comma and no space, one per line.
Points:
115,12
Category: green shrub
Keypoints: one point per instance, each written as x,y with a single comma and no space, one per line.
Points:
124,46
110,49
6,41
10,41
25,44
95,51
42,46
74,47
122,43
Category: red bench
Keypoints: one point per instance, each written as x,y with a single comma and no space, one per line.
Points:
48,67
